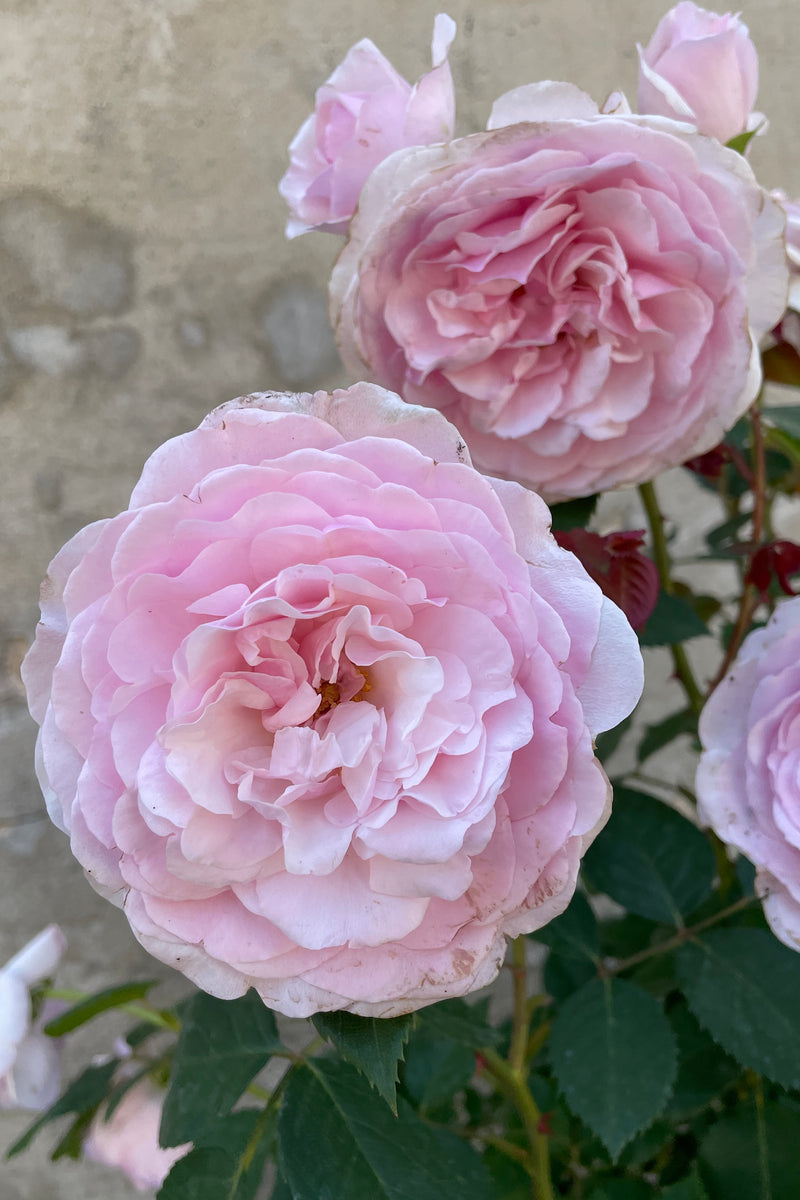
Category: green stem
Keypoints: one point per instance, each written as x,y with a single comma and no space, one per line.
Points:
139,1009
682,936
661,558
521,1019
512,1082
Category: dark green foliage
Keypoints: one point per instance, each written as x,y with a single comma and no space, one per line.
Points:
650,859
672,620
374,1046
615,1056
222,1045
743,986
369,1153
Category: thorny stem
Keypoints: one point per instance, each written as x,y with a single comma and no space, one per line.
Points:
750,597
661,558
682,936
512,1077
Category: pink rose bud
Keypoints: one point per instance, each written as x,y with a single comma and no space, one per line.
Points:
701,67
129,1140
318,707
363,114
30,1062
747,779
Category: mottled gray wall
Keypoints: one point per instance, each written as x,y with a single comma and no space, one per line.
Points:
144,279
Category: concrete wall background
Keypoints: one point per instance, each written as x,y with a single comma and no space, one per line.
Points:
144,279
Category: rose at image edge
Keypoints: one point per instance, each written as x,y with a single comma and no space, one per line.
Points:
30,1062
590,318
317,710
747,778
701,67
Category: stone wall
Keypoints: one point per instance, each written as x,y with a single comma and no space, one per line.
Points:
144,278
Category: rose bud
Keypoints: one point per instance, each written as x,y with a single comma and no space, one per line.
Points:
701,67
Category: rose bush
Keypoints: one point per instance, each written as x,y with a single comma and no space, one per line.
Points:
30,1062
363,113
318,708
701,67
582,295
128,1140
748,778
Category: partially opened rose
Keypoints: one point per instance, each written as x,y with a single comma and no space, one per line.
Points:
748,780
581,293
702,67
318,708
363,113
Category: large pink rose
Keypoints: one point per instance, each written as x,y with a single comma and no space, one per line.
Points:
363,113
318,708
701,67
128,1140
748,780
580,294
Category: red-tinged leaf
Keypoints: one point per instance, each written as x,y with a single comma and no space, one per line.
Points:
782,364
779,560
710,465
615,562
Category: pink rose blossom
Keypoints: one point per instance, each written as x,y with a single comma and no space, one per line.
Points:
748,780
318,708
701,67
581,295
363,114
129,1140
792,211
30,1062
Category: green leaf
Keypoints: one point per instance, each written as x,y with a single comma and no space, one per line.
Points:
672,620
785,417
621,1189
92,1006
222,1045
657,736
574,941
743,986
575,934
573,512
280,1190
369,1154
460,1022
741,141
229,1165
650,859
435,1069
606,743
71,1144
749,1155
373,1045
690,1188
614,1056
704,1070
84,1093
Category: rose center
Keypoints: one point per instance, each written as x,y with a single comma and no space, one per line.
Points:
330,694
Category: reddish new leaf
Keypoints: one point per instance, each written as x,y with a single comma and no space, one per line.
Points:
778,560
616,563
